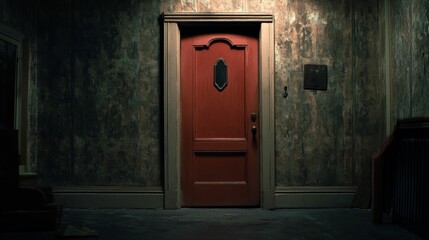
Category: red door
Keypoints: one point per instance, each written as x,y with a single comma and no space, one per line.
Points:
219,109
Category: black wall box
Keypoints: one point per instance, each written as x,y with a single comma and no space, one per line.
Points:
315,77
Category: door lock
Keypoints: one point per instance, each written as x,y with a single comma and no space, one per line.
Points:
253,117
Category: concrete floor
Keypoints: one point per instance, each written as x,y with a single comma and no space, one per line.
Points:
237,223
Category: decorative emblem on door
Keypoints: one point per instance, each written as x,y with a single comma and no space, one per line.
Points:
220,74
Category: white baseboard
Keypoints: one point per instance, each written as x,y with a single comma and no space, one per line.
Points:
314,197
96,197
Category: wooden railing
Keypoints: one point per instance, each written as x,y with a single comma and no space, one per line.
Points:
400,176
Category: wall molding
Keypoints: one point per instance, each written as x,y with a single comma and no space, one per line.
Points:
183,17
387,68
314,197
154,197
109,197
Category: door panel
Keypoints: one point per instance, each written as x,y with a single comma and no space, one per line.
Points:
219,114
220,155
220,167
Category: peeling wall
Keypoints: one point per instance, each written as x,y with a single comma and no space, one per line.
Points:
117,93
327,138
410,58
95,88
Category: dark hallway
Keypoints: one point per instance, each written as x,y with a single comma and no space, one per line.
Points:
92,111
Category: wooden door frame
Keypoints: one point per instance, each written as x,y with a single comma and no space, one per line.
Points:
172,131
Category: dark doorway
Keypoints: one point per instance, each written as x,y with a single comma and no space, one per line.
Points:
8,52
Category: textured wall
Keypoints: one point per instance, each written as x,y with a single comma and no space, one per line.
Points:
326,138
410,58
94,90
96,86
312,129
117,93
54,131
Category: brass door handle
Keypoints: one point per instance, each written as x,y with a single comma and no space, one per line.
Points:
253,130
